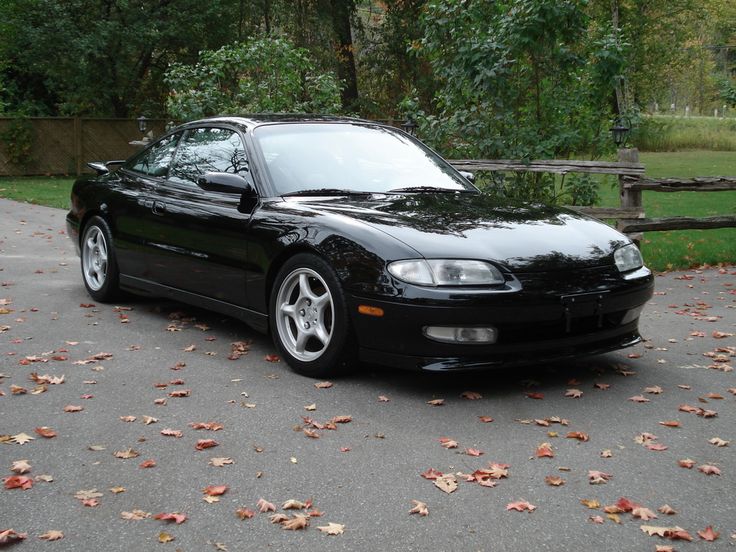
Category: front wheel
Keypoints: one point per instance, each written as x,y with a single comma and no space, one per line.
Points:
309,319
99,265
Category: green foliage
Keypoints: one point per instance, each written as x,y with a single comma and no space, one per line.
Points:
519,79
17,141
263,75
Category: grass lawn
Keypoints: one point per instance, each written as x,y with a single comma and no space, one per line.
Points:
49,191
685,248
662,250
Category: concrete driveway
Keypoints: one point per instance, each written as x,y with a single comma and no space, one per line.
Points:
138,378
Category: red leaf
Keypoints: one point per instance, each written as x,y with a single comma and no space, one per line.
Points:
485,419
708,534
215,490
45,432
244,513
18,482
8,535
520,506
272,358
579,435
176,517
147,464
545,451
709,470
656,447
205,444
473,452
537,396
431,474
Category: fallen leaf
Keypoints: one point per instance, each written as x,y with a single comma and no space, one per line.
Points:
686,463
8,536
446,483
126,454
168,432
709,470
419,508
52,535
293,504
579,435
431,474
164,537
536,396
311,407
717,441
323,385
128,418
220,462
654,390
135,515
708,534
473,452
244,513
574,393
264,506
436,402
639,399
596,519
205,444
554,480
334,528
20,466
278,518
383,398
644,514
671,423
147,464
117,490
296,523
598,477
448,443
485,419
471,395
592,504
667,510
148,420
18,482
272,358
176,517
21,439
86,494
606,453
210,426
521,506
545,451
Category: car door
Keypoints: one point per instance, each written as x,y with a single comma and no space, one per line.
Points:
131,203
200,235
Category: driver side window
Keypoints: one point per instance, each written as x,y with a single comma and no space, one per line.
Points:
206,150
155,160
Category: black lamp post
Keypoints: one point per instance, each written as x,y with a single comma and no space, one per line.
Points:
620,131
142,124
409,126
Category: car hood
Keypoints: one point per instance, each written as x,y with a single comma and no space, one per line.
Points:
522,237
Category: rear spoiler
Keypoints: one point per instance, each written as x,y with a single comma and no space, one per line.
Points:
104,167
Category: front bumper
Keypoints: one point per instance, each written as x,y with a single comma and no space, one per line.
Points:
535,324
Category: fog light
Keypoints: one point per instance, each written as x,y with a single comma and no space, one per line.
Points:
447,334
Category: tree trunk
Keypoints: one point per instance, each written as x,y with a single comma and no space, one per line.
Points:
341,12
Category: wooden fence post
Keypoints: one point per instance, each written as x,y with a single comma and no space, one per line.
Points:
78,144
630,199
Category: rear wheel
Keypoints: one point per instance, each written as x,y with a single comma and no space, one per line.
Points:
99,265
309,318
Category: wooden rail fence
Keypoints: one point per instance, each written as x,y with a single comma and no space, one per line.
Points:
630,215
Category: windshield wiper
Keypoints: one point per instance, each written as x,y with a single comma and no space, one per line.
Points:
325,192
426,189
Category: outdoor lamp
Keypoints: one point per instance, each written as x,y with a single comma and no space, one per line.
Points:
409,126
142,124
620,130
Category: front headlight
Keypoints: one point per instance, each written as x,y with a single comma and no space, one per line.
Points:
446,272
628,258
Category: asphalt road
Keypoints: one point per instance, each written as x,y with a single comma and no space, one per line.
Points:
364,474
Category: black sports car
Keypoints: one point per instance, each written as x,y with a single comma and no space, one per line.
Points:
350,240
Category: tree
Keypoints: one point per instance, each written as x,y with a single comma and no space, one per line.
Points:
263,75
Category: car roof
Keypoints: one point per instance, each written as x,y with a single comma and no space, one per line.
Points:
254,120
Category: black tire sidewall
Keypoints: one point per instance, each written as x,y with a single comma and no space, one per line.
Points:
110,288
339,354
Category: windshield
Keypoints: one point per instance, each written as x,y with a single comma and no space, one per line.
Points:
351,157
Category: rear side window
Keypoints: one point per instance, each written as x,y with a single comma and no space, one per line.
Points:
204,150
155,160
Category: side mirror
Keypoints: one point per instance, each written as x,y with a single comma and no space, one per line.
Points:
467,175
226,183
99,167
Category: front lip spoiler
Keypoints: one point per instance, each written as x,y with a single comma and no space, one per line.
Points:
466,364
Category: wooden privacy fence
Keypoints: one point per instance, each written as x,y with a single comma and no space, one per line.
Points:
630,215
64,145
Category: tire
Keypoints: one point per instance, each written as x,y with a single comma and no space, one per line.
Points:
99,265
310,324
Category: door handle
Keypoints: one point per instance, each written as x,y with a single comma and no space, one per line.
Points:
159,207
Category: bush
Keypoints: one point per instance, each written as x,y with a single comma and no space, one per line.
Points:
263,75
